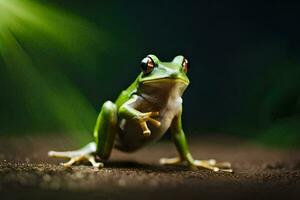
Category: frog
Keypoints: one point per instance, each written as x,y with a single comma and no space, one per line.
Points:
151,106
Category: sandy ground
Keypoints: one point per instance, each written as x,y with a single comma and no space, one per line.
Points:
259,172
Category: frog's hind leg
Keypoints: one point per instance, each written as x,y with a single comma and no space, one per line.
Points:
104,132
184,152
84,154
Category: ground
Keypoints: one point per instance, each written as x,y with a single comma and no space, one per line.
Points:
260,172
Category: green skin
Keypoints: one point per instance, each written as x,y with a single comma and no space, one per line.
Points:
142,114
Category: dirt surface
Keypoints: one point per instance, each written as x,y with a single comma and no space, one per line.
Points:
259,172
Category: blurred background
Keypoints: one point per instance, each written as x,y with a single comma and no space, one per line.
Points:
60,60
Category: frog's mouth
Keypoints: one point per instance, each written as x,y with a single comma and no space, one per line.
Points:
161,89
169,79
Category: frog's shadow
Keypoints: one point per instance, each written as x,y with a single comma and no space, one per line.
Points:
133,165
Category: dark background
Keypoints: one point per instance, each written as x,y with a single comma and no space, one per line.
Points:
244,59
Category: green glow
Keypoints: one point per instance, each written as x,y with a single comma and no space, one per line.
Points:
34,21
47,91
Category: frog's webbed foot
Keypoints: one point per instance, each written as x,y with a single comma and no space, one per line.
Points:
212,164
85,154
207,164
147,117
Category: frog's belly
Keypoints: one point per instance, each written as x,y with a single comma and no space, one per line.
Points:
131,138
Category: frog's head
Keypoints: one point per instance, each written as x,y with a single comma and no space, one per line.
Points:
153,70
163,79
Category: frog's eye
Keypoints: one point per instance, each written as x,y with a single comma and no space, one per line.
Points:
185,65
147,65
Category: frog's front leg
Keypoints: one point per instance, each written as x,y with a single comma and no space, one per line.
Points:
185,155
127,111
104,132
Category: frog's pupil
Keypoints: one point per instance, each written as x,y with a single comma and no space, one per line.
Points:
147,65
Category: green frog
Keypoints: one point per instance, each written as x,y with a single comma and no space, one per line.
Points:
141,115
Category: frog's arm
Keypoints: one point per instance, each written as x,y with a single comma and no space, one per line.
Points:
128,111
184,152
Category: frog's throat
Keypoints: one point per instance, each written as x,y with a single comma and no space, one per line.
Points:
167,79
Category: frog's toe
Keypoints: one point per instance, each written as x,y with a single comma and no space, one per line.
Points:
146,130
223,164
213,165
69,163
91,159
170,161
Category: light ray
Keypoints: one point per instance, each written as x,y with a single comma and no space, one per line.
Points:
47,93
